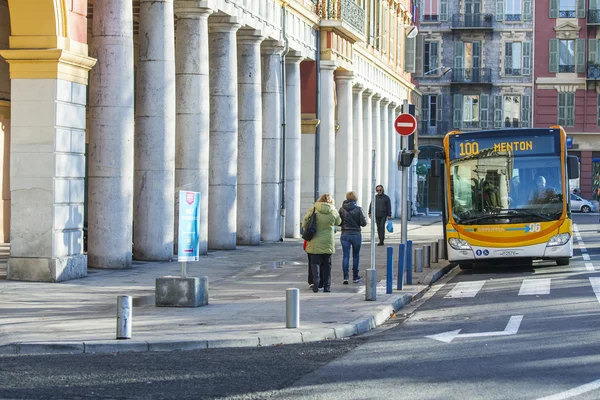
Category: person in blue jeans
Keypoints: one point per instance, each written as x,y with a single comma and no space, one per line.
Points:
353,218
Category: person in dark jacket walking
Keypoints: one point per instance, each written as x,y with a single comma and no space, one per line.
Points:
383,212
353,218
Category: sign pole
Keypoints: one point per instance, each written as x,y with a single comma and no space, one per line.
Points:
404,196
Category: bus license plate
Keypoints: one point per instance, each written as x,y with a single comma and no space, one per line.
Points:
509,253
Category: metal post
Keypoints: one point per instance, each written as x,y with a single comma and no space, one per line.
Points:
371,277
403,199
292,308
184,269
427,256
390,270
418,256
434,252
409,262
401,259
124,306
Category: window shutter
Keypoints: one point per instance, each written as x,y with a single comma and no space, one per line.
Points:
457,111
419,57
497,111
484,100
527,10
526,111
580,8
526,58
500,10
598,111
440,107
593,51
433,51
476,54
562,112
443,10
459,49
425,110
553,8
580,55
553,67
570,109
507,57
409,60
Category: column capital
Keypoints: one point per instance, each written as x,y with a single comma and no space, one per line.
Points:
344,75
293,57
328,65
377,97
358,88
249,36
272,47
385,101
193,8
222,24
368,92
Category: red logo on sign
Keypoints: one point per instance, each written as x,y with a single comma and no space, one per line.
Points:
189,197
405,124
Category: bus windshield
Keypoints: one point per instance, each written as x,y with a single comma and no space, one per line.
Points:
501,187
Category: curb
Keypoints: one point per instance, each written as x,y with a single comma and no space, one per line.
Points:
356,327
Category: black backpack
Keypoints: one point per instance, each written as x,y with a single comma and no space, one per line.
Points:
311,227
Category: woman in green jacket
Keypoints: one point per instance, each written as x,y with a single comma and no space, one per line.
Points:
322,245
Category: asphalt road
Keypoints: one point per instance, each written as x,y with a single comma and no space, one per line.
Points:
528,332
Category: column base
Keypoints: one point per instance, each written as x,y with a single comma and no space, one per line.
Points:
47,269
176,291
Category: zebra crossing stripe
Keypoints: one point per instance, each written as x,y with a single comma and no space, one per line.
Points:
586,257
533,287
589,267
596,286
465,289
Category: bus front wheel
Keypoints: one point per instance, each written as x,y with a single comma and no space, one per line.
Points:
562,261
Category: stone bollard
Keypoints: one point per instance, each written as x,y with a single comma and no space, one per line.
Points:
124,306
434,253
292,308
418,260
427,256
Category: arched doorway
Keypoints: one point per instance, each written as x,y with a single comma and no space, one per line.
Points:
429,189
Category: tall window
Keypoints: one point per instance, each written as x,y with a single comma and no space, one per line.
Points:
433,110
430,58
470,111
512,111
512,58
430,10
566,109
567,9
566,56
512,10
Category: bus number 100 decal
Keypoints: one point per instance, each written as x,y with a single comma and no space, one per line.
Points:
469,149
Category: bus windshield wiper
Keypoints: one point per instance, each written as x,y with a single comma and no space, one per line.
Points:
512,211
475,219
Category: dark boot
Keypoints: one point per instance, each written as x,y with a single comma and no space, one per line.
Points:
316,276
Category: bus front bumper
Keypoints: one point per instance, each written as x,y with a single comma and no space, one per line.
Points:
538,251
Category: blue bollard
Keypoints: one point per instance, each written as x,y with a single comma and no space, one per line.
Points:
390,270
401,254
409,262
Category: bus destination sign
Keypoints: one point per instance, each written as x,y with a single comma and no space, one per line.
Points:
519,146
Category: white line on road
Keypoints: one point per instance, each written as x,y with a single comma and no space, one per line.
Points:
588,387
589,267
532,287
511,329
586,257
465,289
596,287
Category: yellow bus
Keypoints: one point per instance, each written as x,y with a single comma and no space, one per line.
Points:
507,196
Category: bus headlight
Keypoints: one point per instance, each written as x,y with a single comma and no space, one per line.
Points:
558,240
459,244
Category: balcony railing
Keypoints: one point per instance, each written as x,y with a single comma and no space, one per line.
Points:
430,18
567,14
512,71
513,17
440,128
347,11
594,17
471,75
566,68
478,20
593,71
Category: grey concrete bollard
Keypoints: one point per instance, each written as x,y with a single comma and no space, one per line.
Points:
427,256
124,306
418,259
442,250
292,308
434,253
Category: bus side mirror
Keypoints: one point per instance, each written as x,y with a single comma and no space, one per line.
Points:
436,168
573,167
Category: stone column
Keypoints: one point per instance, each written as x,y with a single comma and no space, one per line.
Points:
271,143
193,119
376,123
392,156
344,137
367,147
293,143
250,137
111,127
384,140
357,147
222,192
327,130
155,133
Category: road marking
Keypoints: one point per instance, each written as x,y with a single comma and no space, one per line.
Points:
532,287
596,286
511,329
589,267
586,257
465,289
588,387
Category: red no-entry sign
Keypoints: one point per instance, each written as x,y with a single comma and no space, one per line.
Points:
405,124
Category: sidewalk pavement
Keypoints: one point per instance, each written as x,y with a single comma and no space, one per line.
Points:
247,291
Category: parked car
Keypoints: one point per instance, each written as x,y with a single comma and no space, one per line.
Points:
579,204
